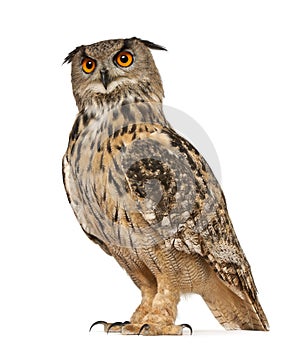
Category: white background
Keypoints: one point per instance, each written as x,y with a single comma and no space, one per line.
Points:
229,65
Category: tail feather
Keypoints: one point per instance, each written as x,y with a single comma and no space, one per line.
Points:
233,311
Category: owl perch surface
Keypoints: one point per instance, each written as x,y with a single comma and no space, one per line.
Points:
148,198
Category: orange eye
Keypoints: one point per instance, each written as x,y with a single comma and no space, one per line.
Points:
88,65
124,59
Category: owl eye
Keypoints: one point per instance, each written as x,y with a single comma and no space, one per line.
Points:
124,59
88,65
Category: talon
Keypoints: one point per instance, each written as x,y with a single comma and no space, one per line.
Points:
126,322
145,326
97,322
185,325
115,324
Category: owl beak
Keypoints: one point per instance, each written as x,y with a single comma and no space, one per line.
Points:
105,78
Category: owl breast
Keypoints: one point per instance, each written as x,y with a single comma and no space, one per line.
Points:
131,186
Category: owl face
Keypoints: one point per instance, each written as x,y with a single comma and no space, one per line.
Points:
106,65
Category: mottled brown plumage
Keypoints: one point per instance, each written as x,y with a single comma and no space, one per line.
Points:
146,195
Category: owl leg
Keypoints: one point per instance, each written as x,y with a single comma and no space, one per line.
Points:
146,282
144,308
160,318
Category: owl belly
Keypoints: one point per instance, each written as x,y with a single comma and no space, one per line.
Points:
194,275
189,273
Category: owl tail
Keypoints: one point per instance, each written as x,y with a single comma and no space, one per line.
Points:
234,311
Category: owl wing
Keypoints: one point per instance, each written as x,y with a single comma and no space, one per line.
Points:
209,231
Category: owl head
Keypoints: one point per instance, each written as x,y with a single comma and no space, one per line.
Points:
123,65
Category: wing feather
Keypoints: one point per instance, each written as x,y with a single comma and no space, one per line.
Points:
209,232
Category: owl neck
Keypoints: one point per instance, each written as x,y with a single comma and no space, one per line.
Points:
121,95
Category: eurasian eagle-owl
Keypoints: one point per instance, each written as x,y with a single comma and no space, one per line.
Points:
147,196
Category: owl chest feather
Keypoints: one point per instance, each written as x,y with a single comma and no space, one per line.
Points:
100,192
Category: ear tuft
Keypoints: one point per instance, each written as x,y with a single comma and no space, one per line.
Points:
150,44
70,56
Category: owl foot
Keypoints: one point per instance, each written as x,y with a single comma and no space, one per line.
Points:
115,327
155,329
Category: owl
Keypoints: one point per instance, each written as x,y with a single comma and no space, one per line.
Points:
148,198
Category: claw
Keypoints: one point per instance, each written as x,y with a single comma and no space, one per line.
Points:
97,322
145,326
185,325
108,326
113,325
